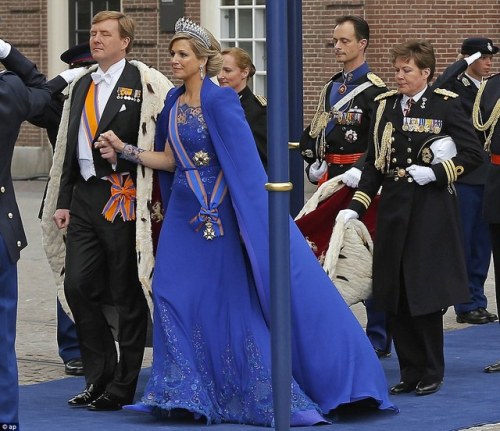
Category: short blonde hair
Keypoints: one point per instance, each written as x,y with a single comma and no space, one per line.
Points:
212,54
126,25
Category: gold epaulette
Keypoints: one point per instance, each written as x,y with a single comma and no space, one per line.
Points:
375,79
445,93
386,95
261,99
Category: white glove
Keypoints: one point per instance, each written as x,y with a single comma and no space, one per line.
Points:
351,177
421,174
70,74
472,58
4,49
345,215
317,170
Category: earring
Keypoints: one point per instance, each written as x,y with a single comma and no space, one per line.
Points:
202,75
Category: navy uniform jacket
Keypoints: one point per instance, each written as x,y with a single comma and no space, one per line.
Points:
467,91
351,137
418,227
124,122
255,108
18,101
489,99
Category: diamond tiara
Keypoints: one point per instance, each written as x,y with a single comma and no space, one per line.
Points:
185,25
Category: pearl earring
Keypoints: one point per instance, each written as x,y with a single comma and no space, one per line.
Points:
202,75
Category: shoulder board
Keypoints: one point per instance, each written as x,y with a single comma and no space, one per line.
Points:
445,93
261,99
375,79
386,95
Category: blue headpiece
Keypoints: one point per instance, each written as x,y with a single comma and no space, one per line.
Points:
185,25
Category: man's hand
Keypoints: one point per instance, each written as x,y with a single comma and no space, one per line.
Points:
107,151
346,215
472,58
69,75
4,49
317,170
421,174
61,218
351,177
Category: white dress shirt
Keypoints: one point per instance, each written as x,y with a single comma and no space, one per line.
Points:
105,87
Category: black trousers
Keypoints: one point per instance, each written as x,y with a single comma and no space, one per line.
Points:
101,270
418,341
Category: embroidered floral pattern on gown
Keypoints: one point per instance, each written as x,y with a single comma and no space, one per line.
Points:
211,351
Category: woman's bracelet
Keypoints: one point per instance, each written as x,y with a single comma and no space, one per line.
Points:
131,153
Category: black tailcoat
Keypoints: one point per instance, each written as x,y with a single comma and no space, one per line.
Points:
101,260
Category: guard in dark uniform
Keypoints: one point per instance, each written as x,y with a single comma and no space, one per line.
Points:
336,141
255,107
418,262
486,119
470,188
18,101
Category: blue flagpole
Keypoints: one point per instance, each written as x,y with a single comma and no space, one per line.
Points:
279,204
295,91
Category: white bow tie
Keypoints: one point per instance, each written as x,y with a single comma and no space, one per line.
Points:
99,77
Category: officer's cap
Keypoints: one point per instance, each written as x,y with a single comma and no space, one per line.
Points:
474,44
78,55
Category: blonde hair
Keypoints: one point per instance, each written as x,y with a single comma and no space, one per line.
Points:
126,25
212,54
242,58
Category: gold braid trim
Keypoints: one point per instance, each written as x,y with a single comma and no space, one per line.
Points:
491,122
382,150
321,118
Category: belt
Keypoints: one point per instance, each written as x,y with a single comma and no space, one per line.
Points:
495,159
342,159
399,173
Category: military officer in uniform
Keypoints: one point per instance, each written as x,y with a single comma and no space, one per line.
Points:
486,116
237,69
470,188
18,101
418,262
336,141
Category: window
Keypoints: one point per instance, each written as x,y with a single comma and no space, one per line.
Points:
243,24
81,13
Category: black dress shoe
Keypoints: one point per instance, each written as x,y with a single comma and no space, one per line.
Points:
427,389
490,316
493,368
90,393
402,388
106,402
382,353
474,317
74,367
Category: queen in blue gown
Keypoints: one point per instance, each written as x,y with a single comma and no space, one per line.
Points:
211,343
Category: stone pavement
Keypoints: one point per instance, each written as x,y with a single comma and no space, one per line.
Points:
36,343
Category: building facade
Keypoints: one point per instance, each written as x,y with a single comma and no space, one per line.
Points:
42,29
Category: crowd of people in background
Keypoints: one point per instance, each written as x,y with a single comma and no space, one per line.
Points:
426,153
